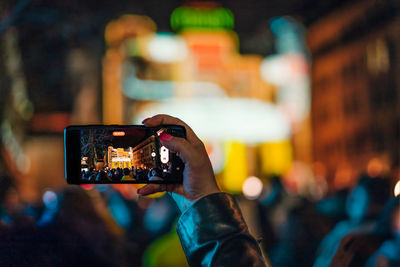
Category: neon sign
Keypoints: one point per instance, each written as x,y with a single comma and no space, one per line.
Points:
202,16
119,133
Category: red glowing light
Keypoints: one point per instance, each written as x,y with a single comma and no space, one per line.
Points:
119,133
87,186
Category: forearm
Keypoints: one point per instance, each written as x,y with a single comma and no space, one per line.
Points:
213,233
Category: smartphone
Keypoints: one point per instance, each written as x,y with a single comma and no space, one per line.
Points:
109,154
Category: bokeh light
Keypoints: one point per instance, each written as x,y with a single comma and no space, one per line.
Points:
87,187
50,199
397,189
375,167
252,187
167,48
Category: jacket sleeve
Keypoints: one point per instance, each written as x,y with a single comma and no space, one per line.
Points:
214,233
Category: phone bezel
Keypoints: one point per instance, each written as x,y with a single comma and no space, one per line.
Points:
72,149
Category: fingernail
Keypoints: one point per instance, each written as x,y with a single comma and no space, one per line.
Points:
165,137
144,121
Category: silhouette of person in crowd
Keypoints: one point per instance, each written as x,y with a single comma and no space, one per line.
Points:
363,206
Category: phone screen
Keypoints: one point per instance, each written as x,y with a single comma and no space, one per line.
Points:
112,154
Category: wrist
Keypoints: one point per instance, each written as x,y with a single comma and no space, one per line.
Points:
185,203
182,202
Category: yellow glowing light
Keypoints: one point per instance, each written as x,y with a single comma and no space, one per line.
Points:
276,157
155,195
397,189
235,172
252,187
165,251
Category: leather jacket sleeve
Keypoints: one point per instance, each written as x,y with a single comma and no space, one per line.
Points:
214,233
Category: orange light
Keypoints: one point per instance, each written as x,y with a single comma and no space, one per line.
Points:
119,133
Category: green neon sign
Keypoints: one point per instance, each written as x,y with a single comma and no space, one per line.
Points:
185,17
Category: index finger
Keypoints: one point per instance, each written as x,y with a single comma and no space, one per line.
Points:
166,119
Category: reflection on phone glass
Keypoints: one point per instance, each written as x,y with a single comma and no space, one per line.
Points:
114,155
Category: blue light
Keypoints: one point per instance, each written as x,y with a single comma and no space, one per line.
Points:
157,215
289,35
50,199
119,210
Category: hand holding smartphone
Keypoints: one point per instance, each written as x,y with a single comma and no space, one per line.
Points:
198,176
107,154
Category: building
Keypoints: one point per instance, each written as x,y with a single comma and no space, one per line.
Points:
355,90
119,158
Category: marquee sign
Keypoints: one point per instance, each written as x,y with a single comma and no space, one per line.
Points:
202,15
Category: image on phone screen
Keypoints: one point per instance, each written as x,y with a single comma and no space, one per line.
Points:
117,155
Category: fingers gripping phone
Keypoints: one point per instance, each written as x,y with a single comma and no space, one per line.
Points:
106,154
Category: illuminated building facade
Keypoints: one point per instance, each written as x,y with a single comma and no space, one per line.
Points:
144,154
119,158
356,90
251,125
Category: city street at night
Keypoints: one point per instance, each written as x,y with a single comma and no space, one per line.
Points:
278,142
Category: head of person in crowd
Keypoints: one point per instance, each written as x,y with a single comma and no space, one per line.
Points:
7,187
79,219
76,235
368,198
76,205
388,225
276,191
395,219
101,176
388,254
11,205
333,206
363,206
86,174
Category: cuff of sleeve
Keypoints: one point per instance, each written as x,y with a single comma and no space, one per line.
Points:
212,217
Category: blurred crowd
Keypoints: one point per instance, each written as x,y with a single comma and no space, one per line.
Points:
102,227
78,227
121,174
349,228
109,175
